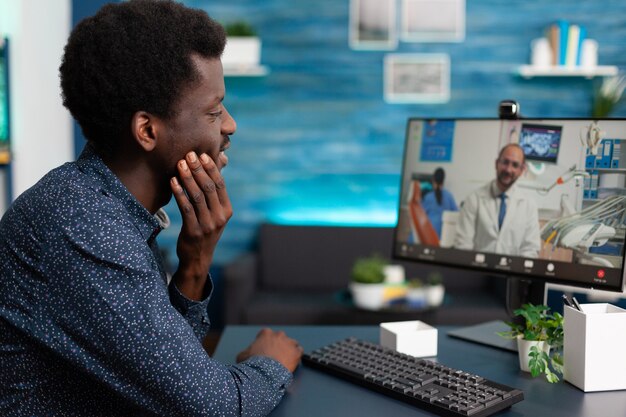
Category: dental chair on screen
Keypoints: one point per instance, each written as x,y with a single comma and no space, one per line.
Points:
422,230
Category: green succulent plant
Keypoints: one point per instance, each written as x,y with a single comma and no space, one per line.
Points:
369,270
435,278
239,29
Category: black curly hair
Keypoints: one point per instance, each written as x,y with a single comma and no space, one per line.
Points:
133,56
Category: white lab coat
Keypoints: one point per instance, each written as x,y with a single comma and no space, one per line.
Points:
477,228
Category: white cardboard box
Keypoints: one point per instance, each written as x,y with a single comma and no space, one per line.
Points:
414,338
594,347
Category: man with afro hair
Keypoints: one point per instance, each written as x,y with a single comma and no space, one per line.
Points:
90,323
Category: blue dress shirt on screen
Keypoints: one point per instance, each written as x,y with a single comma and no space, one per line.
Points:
88,324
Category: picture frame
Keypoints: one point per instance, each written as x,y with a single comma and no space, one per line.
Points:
432,21
417,78
373,25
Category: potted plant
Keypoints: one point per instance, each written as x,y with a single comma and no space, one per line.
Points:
243,47
416,294
608,95
435,290
368,282
539,340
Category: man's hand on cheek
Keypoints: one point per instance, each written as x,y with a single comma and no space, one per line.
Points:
205,209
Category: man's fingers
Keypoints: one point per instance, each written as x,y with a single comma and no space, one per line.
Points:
204,182
186,209
214,173
194,193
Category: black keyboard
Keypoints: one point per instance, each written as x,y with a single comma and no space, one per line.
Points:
425,384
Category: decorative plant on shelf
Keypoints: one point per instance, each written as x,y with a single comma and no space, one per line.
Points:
435,291
416,293
608,95
239,29
369,270
367,286
415,283
435,279
539,340
243,47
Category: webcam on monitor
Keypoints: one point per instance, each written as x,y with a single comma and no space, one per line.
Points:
509,109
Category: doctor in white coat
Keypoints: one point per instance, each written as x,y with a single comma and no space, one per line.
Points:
496,218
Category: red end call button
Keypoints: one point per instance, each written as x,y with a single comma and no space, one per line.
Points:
600,273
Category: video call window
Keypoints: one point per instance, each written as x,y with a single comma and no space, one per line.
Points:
566,215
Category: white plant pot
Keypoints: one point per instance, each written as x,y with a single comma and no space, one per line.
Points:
416,296
434,295
242,52
368,296
523,349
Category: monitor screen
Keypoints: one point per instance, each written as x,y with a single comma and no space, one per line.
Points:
476,194
540,142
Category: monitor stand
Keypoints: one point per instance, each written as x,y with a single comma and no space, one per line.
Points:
518,292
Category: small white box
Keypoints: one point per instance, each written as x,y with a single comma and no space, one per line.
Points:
414,338
594,347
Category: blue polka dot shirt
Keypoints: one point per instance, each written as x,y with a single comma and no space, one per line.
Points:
88,324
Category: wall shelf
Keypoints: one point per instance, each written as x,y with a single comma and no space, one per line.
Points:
246,71
530,71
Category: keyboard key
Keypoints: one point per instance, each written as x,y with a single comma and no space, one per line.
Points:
347,368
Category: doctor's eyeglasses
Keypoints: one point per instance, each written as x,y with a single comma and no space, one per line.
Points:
506,162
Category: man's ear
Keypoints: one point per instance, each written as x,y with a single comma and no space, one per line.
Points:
144,130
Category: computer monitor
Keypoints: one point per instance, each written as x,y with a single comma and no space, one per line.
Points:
564,219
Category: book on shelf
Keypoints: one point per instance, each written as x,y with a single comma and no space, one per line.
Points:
553,39
571,52
563,26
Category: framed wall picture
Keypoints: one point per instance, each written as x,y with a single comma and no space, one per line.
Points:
433,21
417,78
373,24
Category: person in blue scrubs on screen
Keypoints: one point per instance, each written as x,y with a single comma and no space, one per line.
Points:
438,200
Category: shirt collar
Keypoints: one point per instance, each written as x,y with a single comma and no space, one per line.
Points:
495,191
92,165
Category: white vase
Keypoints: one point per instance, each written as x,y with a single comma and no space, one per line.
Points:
368,296
394,274
540,53
434,295
241,52
523,349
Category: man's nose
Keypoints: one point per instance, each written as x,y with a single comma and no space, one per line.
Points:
229,126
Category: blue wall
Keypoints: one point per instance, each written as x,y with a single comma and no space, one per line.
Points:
316,142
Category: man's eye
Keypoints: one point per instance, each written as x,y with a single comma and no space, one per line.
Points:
215,114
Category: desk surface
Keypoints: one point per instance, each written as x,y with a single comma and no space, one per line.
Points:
314,393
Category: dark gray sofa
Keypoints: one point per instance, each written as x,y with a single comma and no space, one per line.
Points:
299,275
